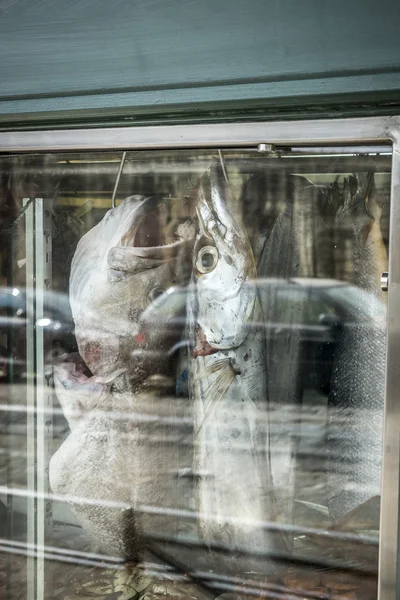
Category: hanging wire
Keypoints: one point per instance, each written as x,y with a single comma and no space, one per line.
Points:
121,166
223,166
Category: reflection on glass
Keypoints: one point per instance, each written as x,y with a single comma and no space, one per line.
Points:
192,381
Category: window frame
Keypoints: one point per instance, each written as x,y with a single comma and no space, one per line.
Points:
286,133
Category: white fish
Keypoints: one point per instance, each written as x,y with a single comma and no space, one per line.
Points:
113,461
228,382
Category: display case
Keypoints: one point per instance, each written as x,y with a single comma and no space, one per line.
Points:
199,342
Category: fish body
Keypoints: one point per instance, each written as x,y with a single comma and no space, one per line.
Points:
227,382
354,439
122,455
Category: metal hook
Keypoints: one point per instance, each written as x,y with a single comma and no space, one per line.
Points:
121,166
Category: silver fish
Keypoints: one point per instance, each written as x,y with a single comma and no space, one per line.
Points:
228,381
354,440
119,267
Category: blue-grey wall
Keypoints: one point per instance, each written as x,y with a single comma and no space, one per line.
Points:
130,55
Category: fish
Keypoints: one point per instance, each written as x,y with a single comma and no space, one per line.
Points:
292,202
122,450
119,267
227,383
355,403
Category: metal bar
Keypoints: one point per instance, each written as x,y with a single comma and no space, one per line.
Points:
100,558
185,164
278,557
10,428
30,394
44,395
389,522
294,133
368,149
38,299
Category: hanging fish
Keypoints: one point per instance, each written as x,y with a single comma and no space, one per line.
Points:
354,438
290,211
121,452
228,381
119,267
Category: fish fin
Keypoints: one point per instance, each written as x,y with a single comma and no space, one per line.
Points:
319,508
217,389
364,516
217,365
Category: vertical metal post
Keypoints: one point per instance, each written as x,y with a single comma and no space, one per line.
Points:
30,395
388,588
44,394
39,394
10,401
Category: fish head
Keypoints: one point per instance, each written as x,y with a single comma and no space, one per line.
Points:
224,268
120,266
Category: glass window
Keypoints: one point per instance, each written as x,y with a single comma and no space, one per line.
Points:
192,365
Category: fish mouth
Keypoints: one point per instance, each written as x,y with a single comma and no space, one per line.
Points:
202,347
149,242
150,236
147,228
150,229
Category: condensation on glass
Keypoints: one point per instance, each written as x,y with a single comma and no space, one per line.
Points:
192,382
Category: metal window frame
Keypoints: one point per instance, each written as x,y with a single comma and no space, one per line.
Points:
293,133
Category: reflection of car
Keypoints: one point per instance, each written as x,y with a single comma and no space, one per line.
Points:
314,310
15,319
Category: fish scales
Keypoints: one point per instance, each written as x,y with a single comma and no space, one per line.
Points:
122,455
228,383
354,439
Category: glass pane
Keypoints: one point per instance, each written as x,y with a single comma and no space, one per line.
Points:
193,379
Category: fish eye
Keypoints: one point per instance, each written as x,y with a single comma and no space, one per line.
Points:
207,259
155,293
